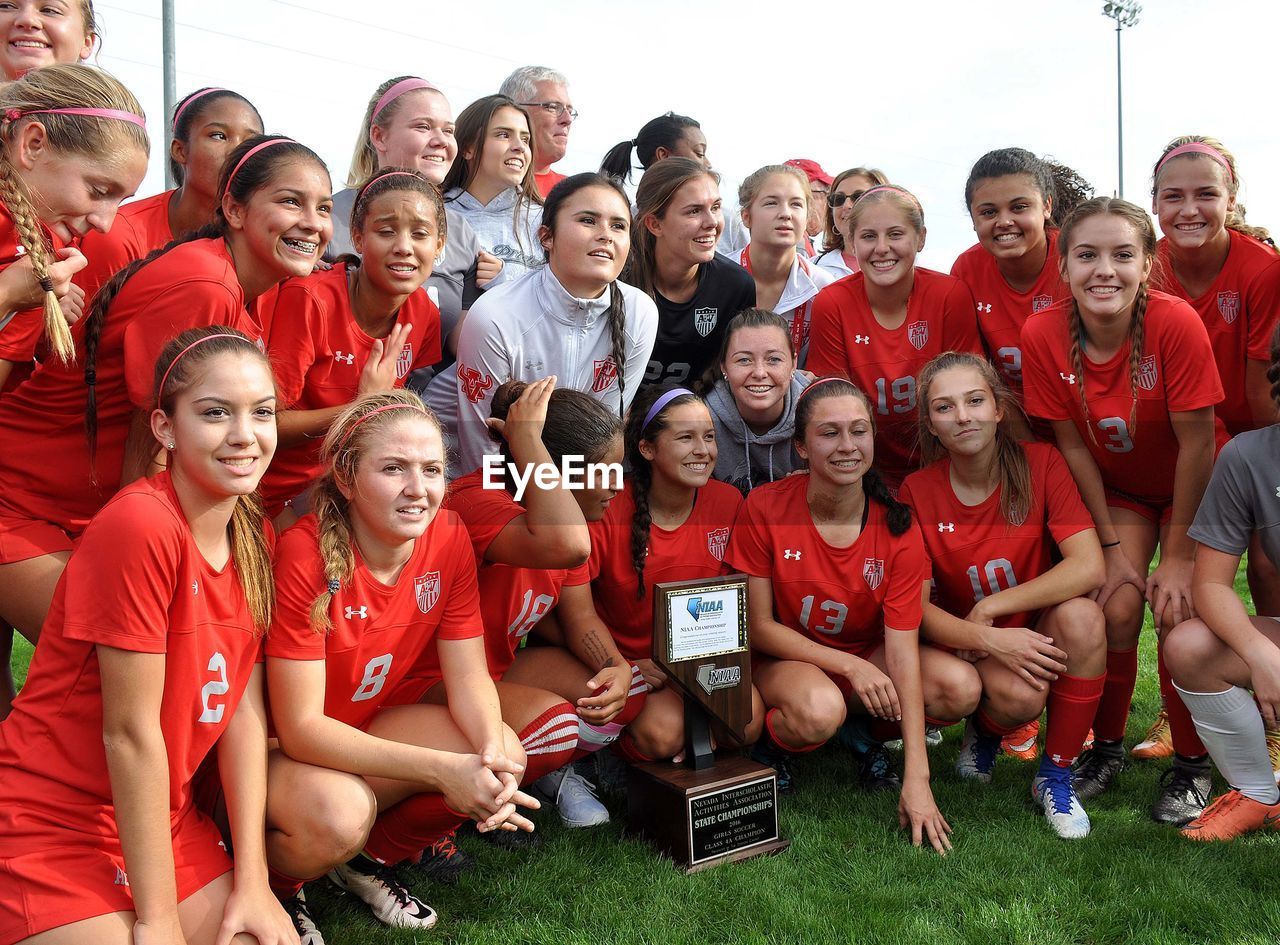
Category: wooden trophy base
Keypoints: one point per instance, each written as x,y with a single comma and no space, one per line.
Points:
703,818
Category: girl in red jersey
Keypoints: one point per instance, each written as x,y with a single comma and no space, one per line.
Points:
880,326
357,328
775,211
1117,368
1230,273
992,511
671,523
1217,659
39,33
273,222
837,569
838,256
365,776
208,125
531,545
148,666
1013,198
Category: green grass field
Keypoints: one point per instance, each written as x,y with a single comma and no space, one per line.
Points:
850,876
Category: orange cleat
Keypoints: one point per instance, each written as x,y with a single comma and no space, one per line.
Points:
1159,740
1021,742
1232,815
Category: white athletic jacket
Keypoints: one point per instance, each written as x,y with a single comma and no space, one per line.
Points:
531,328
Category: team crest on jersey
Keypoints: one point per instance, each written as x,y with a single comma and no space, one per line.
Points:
717,539
873,572
704,319
1229,306
404,362
605,373
918,334
427,589
472,383
1040,303
1148,373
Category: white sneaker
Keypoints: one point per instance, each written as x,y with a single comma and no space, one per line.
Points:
303,924
1062,807
977,755
383,891
574,797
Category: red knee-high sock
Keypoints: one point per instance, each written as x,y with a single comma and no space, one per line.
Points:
626,746
549,741
1186,741
282,884
1073,702
991,726
409,827
1117,694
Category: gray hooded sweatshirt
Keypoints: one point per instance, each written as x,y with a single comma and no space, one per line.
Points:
509,234
743,459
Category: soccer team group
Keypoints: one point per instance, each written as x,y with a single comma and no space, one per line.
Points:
241,433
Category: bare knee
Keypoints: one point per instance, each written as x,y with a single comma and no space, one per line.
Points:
658,730
1080,627
330,825
1190,651
814,716
952,690
1124,612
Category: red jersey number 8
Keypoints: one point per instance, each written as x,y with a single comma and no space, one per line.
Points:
212,714
532,609
375,677
835,612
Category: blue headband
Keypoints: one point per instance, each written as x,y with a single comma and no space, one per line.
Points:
663,401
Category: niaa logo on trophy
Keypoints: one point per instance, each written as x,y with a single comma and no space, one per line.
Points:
698,607
704,320
427,590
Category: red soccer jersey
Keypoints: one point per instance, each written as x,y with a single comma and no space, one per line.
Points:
546,180
846,339
694,550
1239,310
136,582
139,228
20,338
1002,311
380,631
193,285
1175,374
318,352
975,552
512,599
839,597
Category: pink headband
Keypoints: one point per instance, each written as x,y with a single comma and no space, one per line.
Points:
373,180
412,84
894,187
194,97
199,341
1197,147
373,413
13,114
819,382
250,153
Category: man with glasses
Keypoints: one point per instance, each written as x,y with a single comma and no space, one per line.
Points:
544,93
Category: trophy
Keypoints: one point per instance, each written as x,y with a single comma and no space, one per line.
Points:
705,811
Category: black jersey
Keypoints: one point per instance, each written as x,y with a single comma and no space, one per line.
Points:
689,333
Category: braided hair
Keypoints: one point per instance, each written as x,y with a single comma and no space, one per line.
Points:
898,515
641,469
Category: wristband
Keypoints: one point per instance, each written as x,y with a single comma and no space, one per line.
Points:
1110,544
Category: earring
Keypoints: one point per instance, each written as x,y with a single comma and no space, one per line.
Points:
170,446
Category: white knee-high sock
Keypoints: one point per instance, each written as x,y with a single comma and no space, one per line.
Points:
1231,728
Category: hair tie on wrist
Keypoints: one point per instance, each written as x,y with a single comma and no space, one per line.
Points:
334,585
1110,544
47,284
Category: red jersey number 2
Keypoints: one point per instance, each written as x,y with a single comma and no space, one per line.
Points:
212,713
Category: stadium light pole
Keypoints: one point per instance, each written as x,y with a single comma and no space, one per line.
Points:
169,39
1125,13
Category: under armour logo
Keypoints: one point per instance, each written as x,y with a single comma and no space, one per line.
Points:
1069,378
347,358
984,308
946,527
790,555
361,612
195,588
1060,761
862,339
1278,492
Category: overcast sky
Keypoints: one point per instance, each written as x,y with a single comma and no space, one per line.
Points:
920,93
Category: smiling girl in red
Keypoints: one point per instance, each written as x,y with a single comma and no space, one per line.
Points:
992,511
365,776
671,523
208,125
147,667
272,223
836,574
880,326
357,328
1013,197
40,33
1123,373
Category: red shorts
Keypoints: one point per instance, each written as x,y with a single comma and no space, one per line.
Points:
25,538
1158,515
77,877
